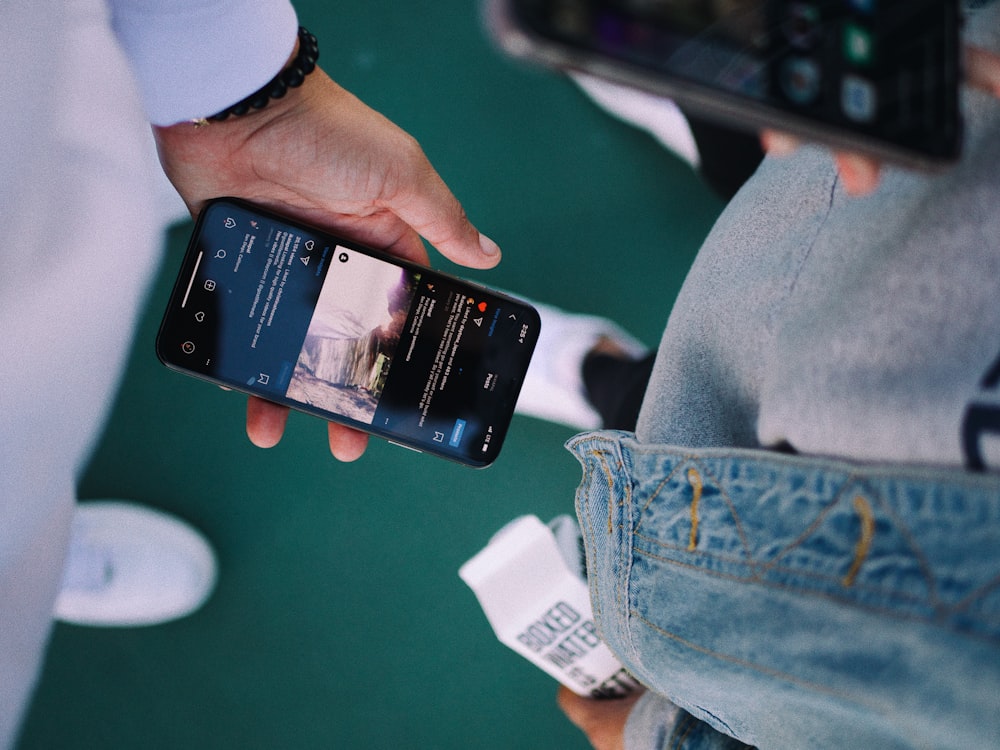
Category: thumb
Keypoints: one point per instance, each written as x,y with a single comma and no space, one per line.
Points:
426,204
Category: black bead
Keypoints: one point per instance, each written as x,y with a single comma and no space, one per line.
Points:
278,89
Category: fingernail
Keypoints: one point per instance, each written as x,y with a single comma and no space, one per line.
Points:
488,246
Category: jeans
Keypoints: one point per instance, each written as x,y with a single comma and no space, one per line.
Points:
798,602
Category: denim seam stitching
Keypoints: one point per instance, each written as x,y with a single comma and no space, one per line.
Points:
759,568
659,488
756,577
589,534
928,573
625,556
833,597
599,457
963,604
600,447
882,709
810,529
620,506
724,494
962,480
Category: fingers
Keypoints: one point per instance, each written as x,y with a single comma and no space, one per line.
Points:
858,173
347,444
777,143
265,422
982,69
575,707
603,721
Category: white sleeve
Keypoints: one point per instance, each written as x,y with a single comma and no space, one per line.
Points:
193,58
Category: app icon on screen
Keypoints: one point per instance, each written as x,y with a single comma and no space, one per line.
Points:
858,99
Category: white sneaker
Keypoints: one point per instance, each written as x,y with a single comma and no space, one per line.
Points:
129,565
553,388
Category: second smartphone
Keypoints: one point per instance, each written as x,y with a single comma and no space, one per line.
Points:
277,309
877,76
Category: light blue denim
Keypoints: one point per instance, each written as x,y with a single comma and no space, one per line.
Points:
792,548
794,602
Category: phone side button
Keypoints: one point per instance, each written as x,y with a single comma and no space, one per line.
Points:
400,445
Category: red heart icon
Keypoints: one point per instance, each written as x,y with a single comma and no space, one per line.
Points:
482,307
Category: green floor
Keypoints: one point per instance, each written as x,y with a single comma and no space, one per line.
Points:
339,620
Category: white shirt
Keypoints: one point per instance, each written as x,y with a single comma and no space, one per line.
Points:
193,58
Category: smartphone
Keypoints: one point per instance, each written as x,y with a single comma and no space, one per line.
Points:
877,76
271,307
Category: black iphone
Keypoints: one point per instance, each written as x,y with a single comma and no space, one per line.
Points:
271,307
876,76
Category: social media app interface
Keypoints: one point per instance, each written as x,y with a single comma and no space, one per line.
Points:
304,319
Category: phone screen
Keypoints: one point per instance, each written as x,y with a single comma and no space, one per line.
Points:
301,318
885,70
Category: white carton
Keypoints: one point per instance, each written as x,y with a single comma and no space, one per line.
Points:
530,584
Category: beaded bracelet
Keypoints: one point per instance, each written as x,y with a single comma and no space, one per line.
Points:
291,77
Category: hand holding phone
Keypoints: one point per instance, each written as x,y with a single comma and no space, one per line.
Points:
303,319
323,156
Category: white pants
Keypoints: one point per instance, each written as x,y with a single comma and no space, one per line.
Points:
78,241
